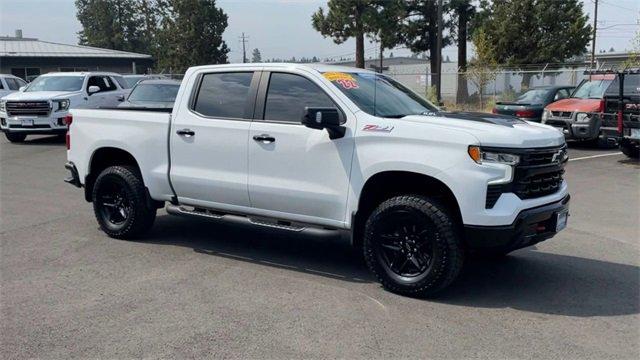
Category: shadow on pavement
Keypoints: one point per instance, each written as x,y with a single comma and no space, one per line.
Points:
327,255
43,140
548,283
527,280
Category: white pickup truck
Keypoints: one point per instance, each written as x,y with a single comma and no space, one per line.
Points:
42,106
325,148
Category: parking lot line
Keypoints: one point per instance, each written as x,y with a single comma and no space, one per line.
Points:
595,156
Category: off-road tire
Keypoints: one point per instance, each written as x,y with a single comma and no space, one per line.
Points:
15,137
632,152
141,213
443,235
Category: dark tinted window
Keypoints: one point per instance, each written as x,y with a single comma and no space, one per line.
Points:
2,86
289,94
154,92
223,94
12,84
631,85
103,82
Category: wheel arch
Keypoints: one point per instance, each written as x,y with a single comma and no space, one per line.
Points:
103,158
387,184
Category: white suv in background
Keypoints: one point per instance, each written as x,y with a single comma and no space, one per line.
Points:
9,84
41,107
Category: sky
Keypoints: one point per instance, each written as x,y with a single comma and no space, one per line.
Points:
282,28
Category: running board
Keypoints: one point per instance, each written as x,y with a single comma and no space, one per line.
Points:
190,211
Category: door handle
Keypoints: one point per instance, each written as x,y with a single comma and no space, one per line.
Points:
186,132
264,138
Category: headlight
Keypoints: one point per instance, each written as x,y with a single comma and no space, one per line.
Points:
582,117
481,156
545,115
62,105
3,105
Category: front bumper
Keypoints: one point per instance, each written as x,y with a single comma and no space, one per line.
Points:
52,124
530,227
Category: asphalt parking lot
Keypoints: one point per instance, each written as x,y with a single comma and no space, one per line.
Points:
196,288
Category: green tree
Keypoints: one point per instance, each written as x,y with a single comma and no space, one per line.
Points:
346,19
111,24
191,34
483,66
421,28
256,57
463,14
525,32
386,25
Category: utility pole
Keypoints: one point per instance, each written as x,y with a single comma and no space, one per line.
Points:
244,40
593,41
439,53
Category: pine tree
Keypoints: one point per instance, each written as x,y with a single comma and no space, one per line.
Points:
555,38
191,35
256,57
346,19
421,29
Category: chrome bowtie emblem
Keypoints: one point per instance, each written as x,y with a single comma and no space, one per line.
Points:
558,157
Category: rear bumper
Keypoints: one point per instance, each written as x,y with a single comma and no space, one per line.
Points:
531,226
74,178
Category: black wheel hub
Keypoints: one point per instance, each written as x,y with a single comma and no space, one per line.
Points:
405,244
115,206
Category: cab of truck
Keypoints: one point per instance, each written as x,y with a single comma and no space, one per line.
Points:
573,115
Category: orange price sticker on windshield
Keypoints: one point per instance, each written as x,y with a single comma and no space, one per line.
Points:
335,76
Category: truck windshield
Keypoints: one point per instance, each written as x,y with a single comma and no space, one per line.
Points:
591,89
379,95
154,92
56,83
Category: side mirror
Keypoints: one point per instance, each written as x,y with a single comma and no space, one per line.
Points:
93,89
120,98
22,88
324,118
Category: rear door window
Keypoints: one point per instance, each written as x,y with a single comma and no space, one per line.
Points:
223,95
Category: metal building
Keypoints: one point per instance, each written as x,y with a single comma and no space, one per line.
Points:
28,57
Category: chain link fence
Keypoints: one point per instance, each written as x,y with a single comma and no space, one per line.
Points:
479,91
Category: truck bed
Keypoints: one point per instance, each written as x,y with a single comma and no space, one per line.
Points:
143,134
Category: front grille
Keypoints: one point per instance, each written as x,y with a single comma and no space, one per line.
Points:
562,114
539,173
534,186
28,108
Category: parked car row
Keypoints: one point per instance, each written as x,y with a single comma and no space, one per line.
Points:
577,112
42,106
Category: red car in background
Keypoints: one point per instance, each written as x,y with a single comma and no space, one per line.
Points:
574,115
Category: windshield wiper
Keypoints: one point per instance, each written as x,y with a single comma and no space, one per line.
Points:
396,116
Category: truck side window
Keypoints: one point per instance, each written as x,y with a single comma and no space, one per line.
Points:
223,94
103,82
289,94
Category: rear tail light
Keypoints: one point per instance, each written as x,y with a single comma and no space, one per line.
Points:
67,121
525,113
494,111
620,122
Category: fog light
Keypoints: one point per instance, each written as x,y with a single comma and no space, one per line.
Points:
3,121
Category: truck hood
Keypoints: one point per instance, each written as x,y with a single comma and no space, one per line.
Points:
40,95
575,104
495,130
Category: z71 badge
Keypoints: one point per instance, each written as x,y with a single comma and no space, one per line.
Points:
378,128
